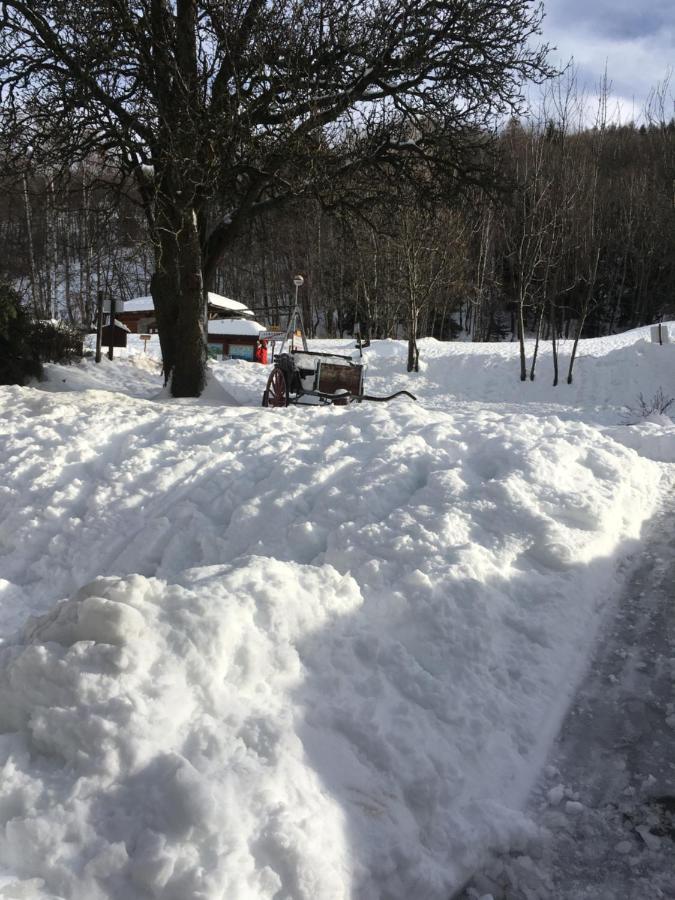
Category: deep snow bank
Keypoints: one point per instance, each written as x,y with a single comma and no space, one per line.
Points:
148,740
609,374
356,712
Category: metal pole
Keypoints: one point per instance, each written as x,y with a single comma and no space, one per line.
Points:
297,315
99,325
111,335
295,310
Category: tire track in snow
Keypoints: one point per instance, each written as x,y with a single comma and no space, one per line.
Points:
605,803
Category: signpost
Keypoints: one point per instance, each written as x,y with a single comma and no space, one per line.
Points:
145,338
295,324
111,333
298,281
271,335
660,334
99,325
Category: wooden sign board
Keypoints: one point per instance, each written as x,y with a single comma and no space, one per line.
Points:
271,335
145,338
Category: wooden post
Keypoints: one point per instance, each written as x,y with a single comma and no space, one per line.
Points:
99,325
111,333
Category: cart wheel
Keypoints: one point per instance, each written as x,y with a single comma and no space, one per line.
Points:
276,392
342,397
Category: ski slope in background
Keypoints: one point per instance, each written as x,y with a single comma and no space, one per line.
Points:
303,653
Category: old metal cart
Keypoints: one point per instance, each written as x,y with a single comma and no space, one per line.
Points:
308,378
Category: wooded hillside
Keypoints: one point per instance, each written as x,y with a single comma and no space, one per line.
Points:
581,232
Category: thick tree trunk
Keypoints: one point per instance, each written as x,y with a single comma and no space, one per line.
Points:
85,255
189,375
164,290
177,293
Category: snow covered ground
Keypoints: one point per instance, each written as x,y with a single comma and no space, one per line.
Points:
605,801
303,653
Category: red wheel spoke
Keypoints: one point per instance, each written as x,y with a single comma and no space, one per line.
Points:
276,392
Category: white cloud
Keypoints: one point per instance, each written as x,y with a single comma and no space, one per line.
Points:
636,46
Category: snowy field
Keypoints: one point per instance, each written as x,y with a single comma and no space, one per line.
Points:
309,653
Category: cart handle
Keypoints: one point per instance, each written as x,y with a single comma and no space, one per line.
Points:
342,395
384,399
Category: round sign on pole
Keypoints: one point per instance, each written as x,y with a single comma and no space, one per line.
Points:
297,281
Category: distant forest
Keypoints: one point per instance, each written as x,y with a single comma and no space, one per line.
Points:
576,236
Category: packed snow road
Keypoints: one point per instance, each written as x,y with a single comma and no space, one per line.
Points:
606,800
313,654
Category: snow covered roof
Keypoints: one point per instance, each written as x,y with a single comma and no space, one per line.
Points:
138,304
235,326
221,302
118,324
145,304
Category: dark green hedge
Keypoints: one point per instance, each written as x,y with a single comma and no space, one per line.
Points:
25,343
56,341
19,360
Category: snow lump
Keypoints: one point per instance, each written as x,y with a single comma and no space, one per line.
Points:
147,747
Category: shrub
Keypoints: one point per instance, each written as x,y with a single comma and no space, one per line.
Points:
26,343
19,359
659,405
56,341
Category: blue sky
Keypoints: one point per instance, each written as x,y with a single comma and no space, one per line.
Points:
634,40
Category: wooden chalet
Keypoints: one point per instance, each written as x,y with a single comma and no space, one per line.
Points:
233,338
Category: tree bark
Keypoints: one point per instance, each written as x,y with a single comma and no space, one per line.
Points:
413,351
178,296
536,343
521,341
552,313
580,327
189,376
31,250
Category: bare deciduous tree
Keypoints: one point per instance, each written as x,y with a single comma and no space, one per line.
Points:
254,104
